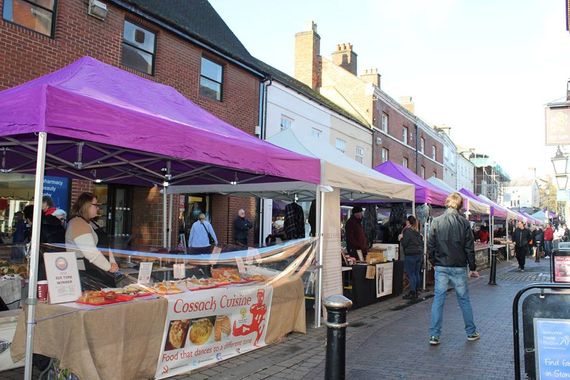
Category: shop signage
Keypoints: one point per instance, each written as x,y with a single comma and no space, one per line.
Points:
562,269
205,327
384,279
58,189
62,276
552,348
558,124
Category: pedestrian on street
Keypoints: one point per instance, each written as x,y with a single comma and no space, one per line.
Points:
548,237
413,245
538,241
451,249
202,236
241,228
521,237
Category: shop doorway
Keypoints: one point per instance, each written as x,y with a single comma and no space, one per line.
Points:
115,216
194,205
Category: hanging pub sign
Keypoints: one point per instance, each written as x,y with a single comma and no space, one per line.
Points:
558,124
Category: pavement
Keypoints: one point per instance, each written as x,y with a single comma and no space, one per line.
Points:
389,340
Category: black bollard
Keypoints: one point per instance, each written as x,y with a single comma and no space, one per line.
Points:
337,307
493,274
537,256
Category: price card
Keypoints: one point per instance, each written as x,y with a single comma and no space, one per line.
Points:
240,265
145,270
216,254
179,271
253,254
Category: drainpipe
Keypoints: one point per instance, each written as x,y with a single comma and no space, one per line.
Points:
262,121
417,155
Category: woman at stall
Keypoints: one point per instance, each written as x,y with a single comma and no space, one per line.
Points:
202,236
80,237
413,245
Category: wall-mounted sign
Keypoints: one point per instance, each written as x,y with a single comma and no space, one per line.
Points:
58,189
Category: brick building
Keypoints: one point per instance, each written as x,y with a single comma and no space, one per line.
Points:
398,134
183,44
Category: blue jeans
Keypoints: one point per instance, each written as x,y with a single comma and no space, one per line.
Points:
548,247
413,266
458,278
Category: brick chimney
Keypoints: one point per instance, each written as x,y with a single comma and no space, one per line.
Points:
408,103
345,57
307,57
371,76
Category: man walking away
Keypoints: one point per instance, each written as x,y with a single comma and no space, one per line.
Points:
451,249
521,237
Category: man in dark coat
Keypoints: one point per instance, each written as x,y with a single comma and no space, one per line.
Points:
355,235
241,228
521,237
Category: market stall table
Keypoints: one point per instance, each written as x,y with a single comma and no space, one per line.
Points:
363,291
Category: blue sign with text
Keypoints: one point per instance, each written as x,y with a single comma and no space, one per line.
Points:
552,347
58,189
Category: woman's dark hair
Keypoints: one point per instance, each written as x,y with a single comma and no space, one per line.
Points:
81,206
47,200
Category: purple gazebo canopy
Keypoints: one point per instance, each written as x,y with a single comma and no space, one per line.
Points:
103,122
426,192
496,210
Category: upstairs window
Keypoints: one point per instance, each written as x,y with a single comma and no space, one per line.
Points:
340,145
422,144
359,155
433,152
423,172
384,122
138,48
211,79
316,133
405,135
286,122
385,155
405,162
37,15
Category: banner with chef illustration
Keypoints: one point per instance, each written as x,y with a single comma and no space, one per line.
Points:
204,327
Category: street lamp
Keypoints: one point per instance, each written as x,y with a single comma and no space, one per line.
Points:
562,181
560,164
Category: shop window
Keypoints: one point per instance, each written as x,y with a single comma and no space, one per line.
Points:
385,155
139,47
405,135
286,122
423,172
384,122
340,145
316,133
422,144
37,15
405,162
359,156
211,79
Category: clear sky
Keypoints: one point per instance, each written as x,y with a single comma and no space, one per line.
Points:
486,68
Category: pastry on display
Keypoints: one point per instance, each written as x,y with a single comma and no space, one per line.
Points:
134,290
92,297
200,331
258,277
226,274
222,325
166,287
177,333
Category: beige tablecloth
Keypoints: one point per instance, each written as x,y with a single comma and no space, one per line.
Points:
114,342
122,342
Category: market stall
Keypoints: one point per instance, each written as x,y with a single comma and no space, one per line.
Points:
96,122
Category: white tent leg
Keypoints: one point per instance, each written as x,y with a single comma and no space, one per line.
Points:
507,237
164,221
319,233
426,226
35,253
414,209
489,243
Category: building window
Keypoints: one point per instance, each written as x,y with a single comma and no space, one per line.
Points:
384,122
405,135
211,79
340,145
422,144
138,48
286,122
405,162
359,155
423,172
316,133
37,15
435,173
385,155
433,152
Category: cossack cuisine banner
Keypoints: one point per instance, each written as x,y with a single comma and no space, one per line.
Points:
206,327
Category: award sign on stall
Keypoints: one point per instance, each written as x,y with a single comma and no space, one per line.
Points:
63,276
562,269
205,327
552,341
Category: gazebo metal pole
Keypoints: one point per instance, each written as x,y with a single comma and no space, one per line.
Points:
35,253
319,290
507,237
414,208
170,219
164,222
489,225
